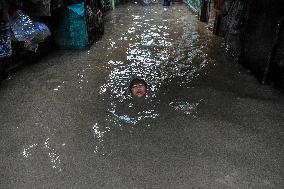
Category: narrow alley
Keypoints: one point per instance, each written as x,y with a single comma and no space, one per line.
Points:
69,121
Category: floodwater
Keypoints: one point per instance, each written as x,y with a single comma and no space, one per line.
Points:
70,122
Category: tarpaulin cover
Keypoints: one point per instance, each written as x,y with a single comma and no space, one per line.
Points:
77,8
72,31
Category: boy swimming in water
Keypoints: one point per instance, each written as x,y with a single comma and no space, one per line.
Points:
138,88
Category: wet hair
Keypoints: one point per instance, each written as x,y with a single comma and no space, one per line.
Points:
137,81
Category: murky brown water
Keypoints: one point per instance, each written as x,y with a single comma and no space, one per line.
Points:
70,122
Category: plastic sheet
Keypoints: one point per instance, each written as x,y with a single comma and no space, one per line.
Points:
72,32
42,32
5,40
23,27
27,31
77,8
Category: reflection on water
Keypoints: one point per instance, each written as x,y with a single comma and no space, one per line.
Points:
133,120
160,46
99,136
28,150
185,107
164,46
53,155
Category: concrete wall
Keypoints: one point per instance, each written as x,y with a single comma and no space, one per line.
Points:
276,68
253,31
261,37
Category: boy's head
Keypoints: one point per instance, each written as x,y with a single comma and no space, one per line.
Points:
138,87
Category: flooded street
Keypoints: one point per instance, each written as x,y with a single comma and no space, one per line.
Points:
69,121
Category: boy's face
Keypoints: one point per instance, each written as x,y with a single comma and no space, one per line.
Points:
139,90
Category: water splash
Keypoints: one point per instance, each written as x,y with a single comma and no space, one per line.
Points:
53,155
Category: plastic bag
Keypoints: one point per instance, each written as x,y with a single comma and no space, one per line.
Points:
42,32
27,31
23,27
